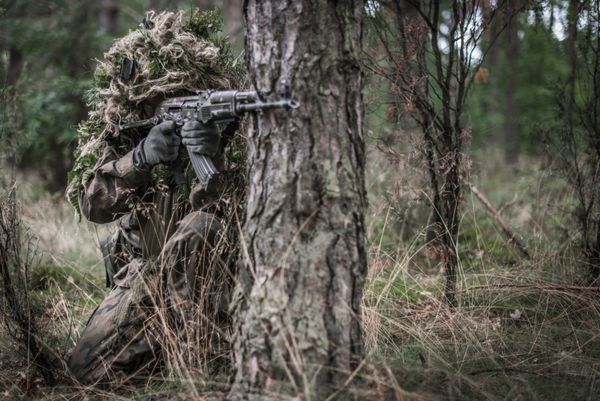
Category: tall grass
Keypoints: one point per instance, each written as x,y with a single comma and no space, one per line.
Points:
524,329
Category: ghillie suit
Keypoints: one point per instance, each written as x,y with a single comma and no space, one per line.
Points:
168,263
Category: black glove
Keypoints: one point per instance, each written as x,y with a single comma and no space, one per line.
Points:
160,146
203,139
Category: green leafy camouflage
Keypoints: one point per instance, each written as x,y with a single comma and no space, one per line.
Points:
177,52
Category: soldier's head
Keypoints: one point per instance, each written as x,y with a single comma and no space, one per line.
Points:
171,53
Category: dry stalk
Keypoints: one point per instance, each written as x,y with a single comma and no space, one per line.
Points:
18,315
512,238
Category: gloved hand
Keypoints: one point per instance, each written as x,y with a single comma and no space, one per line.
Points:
160,146
203,139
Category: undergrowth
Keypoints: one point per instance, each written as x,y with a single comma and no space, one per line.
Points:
523,329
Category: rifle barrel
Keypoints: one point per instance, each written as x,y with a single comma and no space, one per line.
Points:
285,103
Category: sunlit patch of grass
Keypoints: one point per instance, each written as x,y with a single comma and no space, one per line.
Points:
63,239
62,283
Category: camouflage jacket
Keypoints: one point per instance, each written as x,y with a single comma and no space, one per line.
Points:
146,212
146,215
107,194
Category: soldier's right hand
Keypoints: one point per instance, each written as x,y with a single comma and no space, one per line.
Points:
160,146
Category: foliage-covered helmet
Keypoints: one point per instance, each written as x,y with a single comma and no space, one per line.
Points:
171,52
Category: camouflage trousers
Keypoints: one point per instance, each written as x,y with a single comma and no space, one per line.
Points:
122,338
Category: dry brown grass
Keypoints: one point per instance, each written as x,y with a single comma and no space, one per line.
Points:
62,236
523,330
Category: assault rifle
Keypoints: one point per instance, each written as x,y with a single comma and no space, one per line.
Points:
211,107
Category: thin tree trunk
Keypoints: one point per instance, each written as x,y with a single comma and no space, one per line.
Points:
572,16
80,60
15,65
234,20
450,201
485,14
297,314
16,60
109,16
510,127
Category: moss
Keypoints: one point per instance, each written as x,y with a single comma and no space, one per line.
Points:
155,69
78,176
238,155
103,75
66,279
205,23
172,60
399,290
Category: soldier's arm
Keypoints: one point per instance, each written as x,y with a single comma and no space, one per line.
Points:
105,196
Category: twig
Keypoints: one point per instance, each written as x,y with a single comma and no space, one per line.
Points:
19,312
502,370
508,204
561,287
512,238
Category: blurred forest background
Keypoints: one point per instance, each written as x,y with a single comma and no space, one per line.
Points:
517,254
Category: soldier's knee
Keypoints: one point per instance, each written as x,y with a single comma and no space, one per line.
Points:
204,226
190,253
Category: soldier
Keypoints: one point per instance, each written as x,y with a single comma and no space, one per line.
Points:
170,239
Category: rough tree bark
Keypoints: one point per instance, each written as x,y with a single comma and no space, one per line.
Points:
301,276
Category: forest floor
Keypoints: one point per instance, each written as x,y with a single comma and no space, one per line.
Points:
524,329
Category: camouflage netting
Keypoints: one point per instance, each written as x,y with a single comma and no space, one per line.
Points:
173,52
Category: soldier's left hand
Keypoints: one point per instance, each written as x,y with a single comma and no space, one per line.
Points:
200,138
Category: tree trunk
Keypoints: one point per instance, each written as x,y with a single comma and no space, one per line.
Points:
109,16
510,127
234,20
12,63
15,65
297,310
450,207
572,17
485,14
